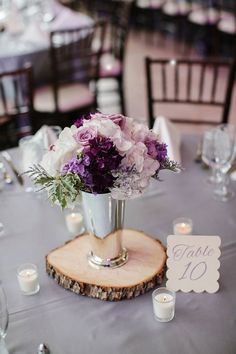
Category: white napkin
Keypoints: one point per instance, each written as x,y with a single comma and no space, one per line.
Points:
33,149
169,135
45,137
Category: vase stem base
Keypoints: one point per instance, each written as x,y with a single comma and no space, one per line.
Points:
100,263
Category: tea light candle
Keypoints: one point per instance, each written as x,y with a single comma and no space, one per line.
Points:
27,275
182,226
74,222
163,304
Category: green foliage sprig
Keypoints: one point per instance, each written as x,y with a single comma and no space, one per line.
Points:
61,189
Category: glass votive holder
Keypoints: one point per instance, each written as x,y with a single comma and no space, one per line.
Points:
27,275
163,300
74,221
182,226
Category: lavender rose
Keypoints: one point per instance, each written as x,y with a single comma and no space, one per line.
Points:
84,134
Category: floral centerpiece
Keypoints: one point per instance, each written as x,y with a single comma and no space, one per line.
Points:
107,159
100,154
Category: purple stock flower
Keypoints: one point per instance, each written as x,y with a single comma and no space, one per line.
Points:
157,151
96,165
161,152
79,122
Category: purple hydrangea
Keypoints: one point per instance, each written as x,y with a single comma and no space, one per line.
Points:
157,151
96,165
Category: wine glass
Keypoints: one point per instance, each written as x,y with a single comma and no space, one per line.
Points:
4,319
218,152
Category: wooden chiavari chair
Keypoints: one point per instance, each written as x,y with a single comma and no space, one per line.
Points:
16,105
112,60
75,57
190,82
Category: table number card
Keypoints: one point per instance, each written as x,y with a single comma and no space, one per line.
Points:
193,263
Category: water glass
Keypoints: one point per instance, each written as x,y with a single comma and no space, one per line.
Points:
218,152
30,154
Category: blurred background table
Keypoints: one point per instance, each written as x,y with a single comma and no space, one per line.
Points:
26,37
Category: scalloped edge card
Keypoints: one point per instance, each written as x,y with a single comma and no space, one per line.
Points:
193,263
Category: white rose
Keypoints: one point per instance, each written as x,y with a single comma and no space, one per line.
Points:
64,149
105,127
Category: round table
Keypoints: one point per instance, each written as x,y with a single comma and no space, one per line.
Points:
32,44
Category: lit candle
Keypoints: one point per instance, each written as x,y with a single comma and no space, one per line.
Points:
27,275
163,304
182,226
74,223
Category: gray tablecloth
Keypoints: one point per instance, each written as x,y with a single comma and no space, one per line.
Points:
72,324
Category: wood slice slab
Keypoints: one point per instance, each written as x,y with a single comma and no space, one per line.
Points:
68,265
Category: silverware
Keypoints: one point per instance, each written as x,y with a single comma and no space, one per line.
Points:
8,159
43,349
6,176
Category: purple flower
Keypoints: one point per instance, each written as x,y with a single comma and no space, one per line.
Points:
161,152
152,148
157,151
84,135
80,121
96,165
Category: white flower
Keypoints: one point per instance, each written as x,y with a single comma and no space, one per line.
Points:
104,127
139,132
66,139
63,150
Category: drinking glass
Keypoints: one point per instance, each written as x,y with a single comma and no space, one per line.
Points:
30,154
4,317
218,152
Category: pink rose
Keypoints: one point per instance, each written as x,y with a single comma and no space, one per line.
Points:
139,132
135,157
150,167
84,134
115,118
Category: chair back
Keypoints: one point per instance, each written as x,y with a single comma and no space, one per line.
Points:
190,82
120,24
16,92
16,105
75,55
